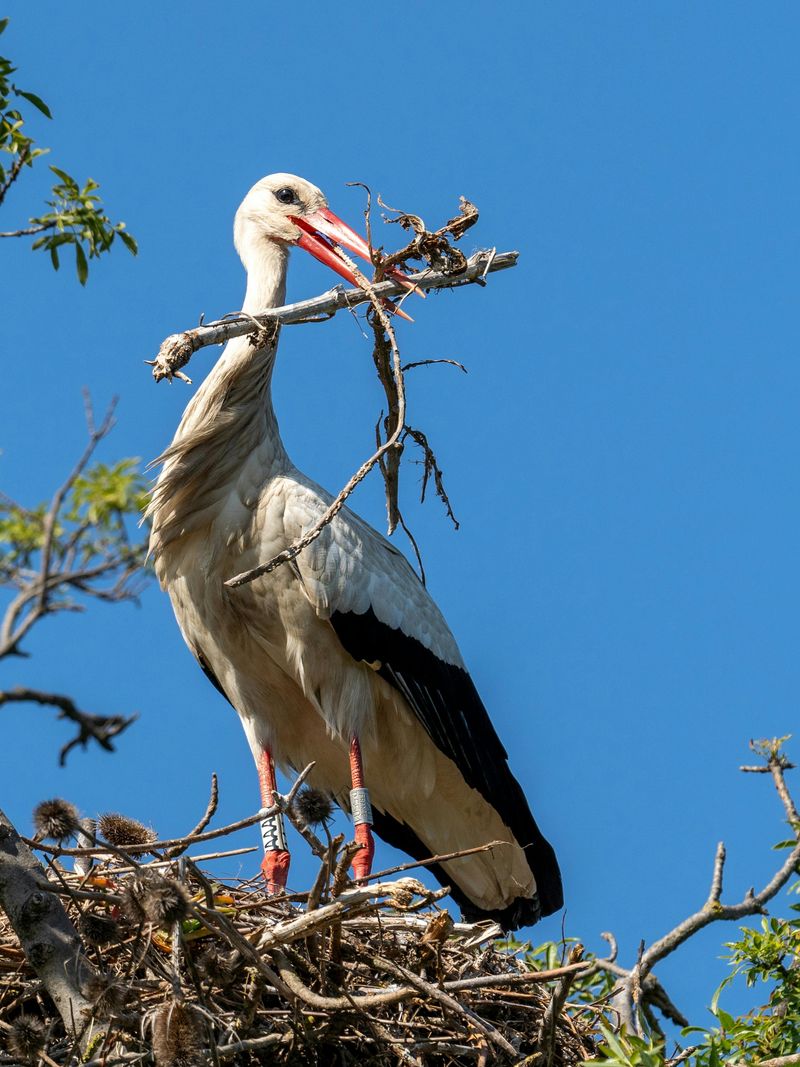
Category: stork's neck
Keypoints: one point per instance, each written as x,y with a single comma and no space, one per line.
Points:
265,262
228,441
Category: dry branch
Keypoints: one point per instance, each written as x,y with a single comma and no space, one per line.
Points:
633,981
99,728
177,349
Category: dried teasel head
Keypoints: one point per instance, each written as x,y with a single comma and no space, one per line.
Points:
313,806
119,830
107,996
26,1038
98,929
178,1035
217,966
56,820
154,898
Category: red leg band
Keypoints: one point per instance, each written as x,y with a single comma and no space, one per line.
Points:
362,861
275,869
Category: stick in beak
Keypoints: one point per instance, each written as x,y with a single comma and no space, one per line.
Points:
323,227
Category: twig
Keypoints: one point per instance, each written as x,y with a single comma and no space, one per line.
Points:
13,173
716,879
713,910
99,728
752,904
172,842
60,567
434,993
281,803
28,231
207,816
546,1038
443,858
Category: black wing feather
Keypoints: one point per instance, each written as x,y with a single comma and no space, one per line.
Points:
204,667
446,702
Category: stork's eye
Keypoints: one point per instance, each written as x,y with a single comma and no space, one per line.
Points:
286,195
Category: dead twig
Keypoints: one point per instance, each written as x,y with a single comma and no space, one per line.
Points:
99,728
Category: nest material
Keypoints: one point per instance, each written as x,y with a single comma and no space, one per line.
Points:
372,975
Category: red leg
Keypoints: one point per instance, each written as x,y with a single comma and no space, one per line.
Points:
275,865
362,814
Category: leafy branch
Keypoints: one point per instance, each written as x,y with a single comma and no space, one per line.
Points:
76,216
75,547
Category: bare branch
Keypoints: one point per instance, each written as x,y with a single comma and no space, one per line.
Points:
716,880
57,559
13,173
28,231
632,981
190,839
99,728
546,1039
177,349
207,816
95,437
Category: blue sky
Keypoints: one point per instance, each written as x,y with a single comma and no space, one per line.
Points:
622,454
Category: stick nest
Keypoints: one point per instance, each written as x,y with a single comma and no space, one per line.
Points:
344,974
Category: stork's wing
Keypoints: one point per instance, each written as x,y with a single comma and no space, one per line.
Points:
383,615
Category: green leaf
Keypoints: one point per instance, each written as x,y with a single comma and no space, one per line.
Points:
3,24
81,264
36,101
54,258
129,241
62,174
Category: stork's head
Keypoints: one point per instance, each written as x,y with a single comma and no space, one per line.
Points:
288,210
284,210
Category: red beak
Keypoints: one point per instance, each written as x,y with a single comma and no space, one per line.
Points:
322,229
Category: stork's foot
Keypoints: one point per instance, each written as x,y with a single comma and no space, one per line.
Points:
275,869
362,861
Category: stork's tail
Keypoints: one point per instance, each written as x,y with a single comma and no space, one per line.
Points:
547,896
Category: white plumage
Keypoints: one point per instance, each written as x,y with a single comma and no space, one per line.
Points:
345,641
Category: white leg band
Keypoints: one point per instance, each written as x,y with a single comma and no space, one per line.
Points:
360,806
273,835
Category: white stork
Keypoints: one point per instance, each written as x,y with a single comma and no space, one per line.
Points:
340,657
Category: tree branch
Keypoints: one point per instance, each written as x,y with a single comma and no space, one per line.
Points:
29,231
713,910
13,174
99,728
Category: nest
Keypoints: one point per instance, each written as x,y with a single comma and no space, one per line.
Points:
184,970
